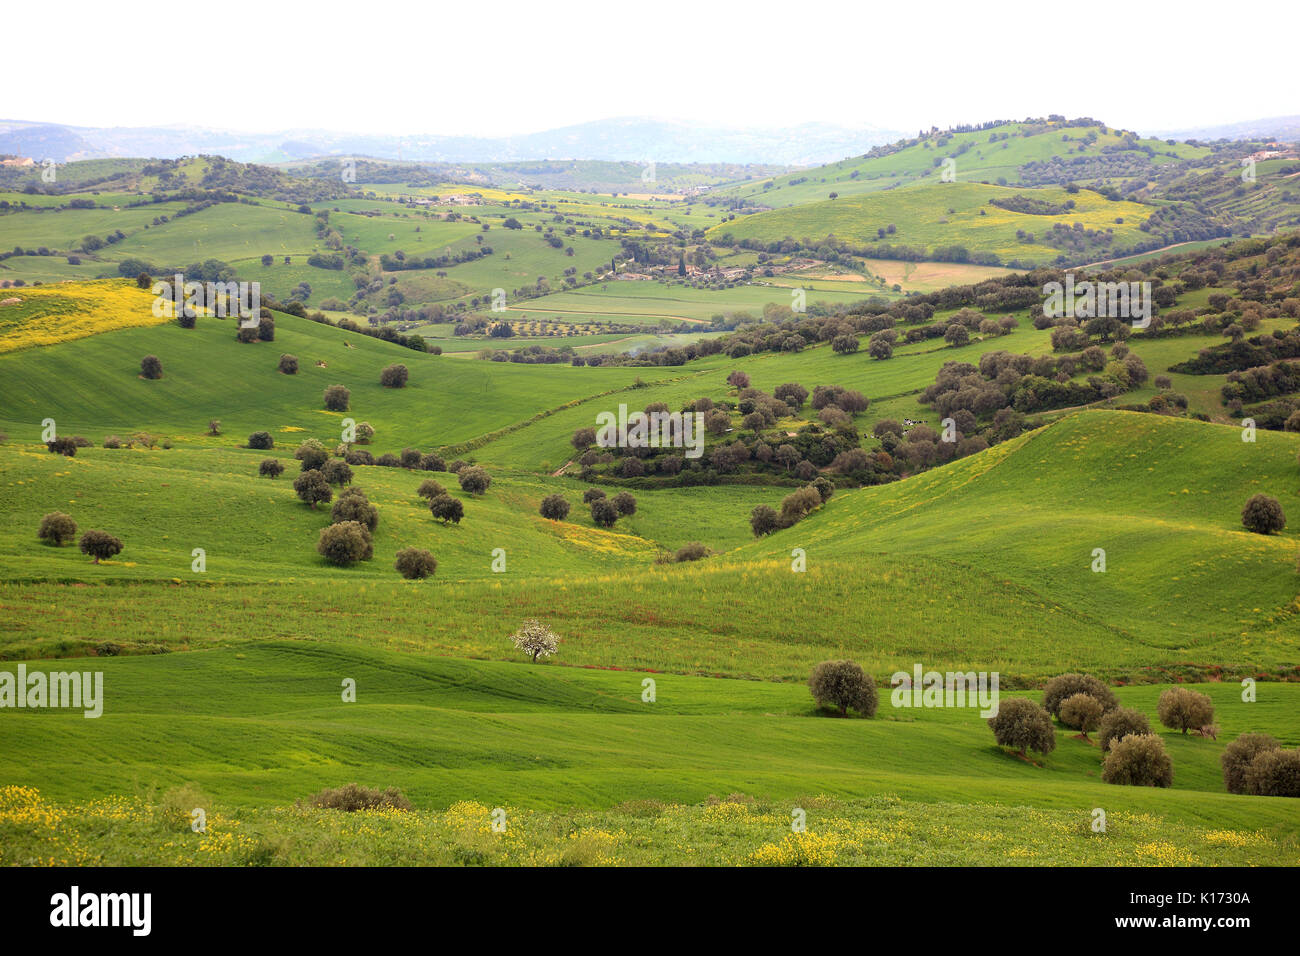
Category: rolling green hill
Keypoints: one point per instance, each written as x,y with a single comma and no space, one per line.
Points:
932,216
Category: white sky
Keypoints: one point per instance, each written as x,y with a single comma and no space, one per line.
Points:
510,67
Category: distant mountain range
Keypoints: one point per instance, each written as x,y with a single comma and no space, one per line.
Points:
1285,128
626,139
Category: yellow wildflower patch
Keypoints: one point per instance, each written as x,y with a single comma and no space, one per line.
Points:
48,315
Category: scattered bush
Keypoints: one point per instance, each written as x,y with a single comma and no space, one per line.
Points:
261,440
554,508
796,505
345,543
446,508
432,462
1023,725
474,480
271,468
415,564
692,551
603,512
625,504
1274,773
337,398
1067,685
353,505
100,545
843,684
764,520
359,456
430,489
352,798
1181,709
1239,755
394,376
1119,723
1263,514
591,494
1081,712
151,367
337,472
63,446
312,488
1138,760
289,364
57,529
312,454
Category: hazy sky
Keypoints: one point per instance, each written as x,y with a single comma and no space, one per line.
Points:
508,67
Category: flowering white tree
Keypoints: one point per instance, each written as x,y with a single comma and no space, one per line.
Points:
535,638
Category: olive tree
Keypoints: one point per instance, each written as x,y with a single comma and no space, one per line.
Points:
312,454
1023,725
394,376
1067,685
1119,723
430,489
271,468
345,543
474,480
337,472
100,545
353,505
446,508
337,398
1181,709
415,563
603,512
57,529
1263,514
1081,712
1239,755
1139,760
554,508
843,684
312,488
763,520
1274,773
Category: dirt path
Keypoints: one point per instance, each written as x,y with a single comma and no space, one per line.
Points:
1102,262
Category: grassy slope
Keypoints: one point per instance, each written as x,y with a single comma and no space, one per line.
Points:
923,218
952,569
444,402
983,161
268,725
